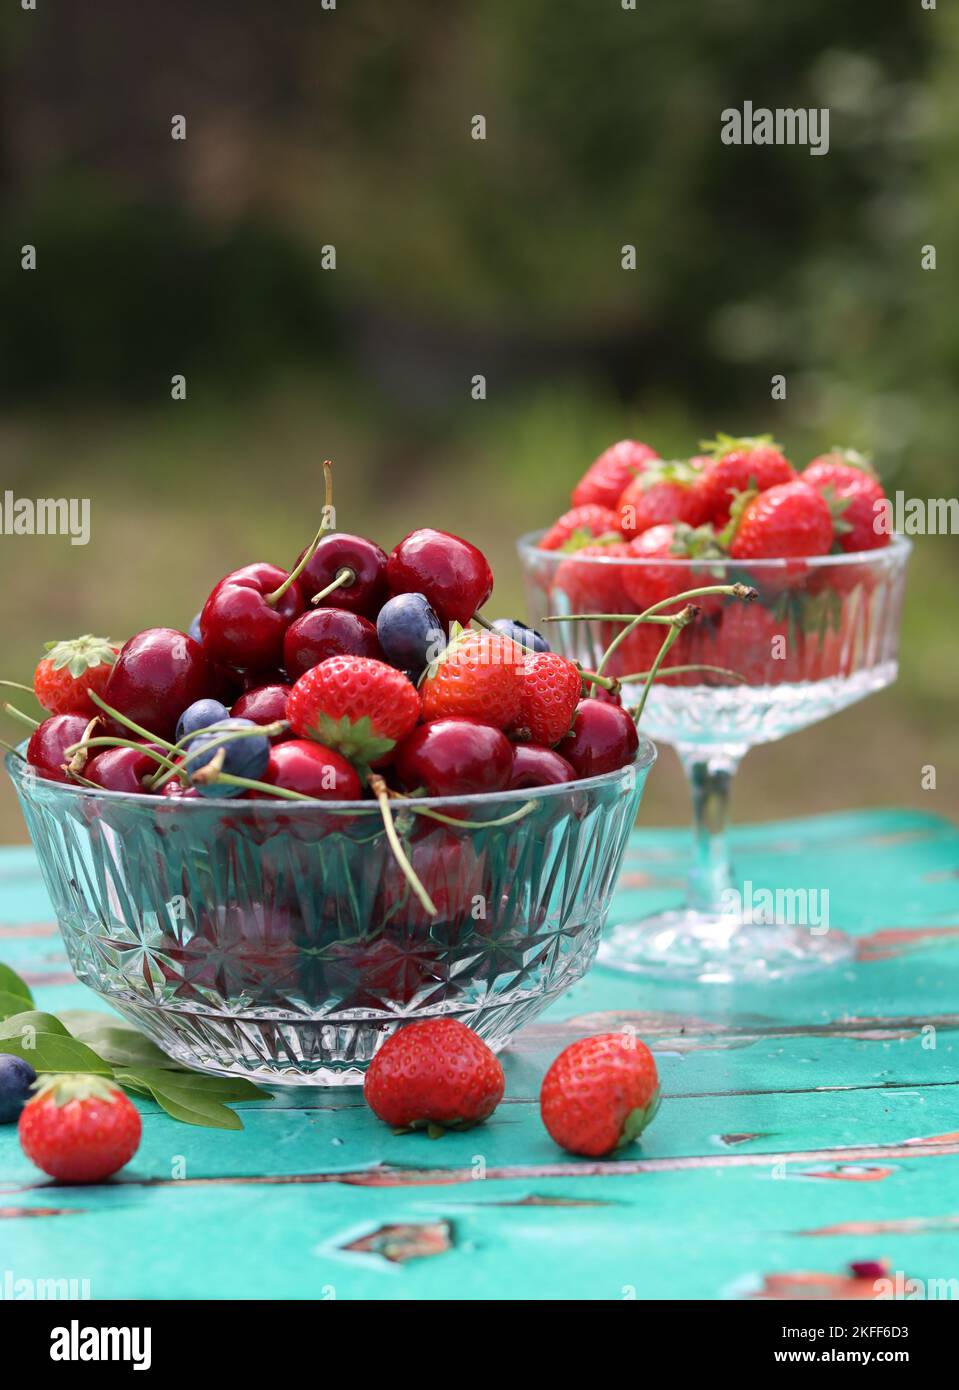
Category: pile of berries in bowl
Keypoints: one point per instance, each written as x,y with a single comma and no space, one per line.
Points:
816,544
333,806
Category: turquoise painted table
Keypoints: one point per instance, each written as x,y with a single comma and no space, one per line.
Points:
804,1127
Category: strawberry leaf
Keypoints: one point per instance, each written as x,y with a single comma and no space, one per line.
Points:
356,740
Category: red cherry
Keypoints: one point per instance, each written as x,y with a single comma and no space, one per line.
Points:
240,627
328,632
264,704
536,766
122,769
454,757
451,574
49,741
364,588
300,765
607,697
157,674
603,737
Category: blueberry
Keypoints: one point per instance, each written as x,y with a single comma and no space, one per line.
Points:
242,757
16,1078
525,636
194,629
200,715
410,633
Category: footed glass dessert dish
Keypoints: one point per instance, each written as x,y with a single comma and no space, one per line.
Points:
822,634
279,940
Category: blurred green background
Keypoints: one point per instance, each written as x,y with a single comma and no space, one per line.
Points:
309,128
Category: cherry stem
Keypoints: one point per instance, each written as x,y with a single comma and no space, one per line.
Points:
668,641
684,670
594,678
128,723
325,525
251,784
18,685
344,578
19,714
79,759
226,736
513,816
10,749
380,791
730,590
108,741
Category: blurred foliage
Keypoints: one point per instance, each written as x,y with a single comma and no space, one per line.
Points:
309,128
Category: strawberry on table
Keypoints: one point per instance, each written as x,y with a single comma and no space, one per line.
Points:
71,669
664,492
476,676
848,478
79,1128
600,1094
581,524
604,480
737,465
355,705
437,1075
550,690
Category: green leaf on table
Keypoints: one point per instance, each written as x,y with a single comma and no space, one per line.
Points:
182,1099
116,1041
11,983
222,1088
15,1025
55,1052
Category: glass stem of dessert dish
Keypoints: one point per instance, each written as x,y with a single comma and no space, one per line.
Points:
822,634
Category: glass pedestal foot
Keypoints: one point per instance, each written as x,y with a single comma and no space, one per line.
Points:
720,949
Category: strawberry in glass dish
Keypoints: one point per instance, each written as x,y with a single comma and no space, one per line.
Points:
847,477
737,465
580,526
666,491
606,478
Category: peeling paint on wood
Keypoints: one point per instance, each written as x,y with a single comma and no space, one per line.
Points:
407,1242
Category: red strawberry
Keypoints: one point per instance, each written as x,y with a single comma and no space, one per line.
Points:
436,1074
749,640
591,588
664,492
737,466
650,583
477,676
848,478
79,1128
551,688
70,669
787,521
604,481
600,1094
355,705
581,524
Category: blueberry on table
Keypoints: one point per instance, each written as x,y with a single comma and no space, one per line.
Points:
200,715
519,632
244,756
16,1078
411,635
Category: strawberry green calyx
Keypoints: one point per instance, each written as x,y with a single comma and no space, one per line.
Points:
80,654
637,1120
668,471
740,502
356,740
837,505
696,542
851,458
583,537
69,1086
728,444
